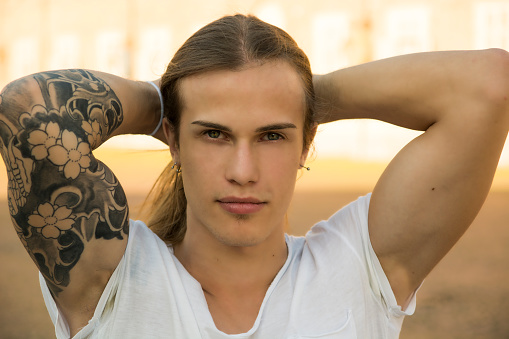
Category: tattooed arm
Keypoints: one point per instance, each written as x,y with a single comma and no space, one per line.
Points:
67,207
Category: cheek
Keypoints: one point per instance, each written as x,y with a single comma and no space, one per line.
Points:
199,169
285,157
194,153
280,167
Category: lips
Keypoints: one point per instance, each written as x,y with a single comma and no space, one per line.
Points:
241,205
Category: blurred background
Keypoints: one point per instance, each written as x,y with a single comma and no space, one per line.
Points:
465,297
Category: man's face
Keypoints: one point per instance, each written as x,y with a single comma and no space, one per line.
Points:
239,148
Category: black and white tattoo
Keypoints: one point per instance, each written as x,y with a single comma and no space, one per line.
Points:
60,197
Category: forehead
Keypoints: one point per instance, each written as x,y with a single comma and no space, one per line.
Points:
261,92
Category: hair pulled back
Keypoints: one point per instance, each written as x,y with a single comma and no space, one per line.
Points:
230,43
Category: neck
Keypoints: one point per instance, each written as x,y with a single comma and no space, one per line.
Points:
221,268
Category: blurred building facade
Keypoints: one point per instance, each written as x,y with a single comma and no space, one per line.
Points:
136,39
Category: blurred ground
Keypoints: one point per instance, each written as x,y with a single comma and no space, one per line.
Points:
465,297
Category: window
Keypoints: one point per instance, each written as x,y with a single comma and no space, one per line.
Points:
111,53
23,57
273,14
65,52
404,31
491,25
331,33
153,53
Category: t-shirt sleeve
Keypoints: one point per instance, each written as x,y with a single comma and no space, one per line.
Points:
351,225
104,305
379,281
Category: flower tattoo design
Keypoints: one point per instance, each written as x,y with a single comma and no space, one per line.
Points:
44,138
73,156
51,220
93,131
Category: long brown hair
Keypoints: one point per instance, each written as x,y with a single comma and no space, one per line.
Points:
229,43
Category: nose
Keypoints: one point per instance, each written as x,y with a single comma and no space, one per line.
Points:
242,167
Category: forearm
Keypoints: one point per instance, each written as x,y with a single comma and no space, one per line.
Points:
413,91
141,105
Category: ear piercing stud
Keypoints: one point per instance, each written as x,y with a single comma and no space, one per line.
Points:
178,168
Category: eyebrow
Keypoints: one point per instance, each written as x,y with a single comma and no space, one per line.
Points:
271,127
211,125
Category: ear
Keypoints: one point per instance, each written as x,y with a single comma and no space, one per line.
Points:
305,151
171,140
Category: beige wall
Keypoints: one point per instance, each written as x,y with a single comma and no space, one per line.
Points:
136,38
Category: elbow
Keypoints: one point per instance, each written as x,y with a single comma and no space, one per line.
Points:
18,86
17,97
496,66
496,78
492,82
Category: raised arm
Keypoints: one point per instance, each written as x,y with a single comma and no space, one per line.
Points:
433,189
67,207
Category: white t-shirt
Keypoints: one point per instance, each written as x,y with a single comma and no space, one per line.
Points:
331,286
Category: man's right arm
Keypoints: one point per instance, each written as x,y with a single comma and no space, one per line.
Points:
67,207
432,190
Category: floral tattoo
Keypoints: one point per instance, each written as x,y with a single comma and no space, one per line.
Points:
60,196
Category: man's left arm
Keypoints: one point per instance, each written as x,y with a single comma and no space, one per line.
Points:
433,189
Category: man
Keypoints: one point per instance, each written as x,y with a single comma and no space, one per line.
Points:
240,114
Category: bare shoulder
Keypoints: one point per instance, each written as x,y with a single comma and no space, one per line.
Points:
67,207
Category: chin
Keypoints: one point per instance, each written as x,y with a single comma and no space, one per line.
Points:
235,230
238,237
239,242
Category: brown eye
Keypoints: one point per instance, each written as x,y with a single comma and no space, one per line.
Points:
214,134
